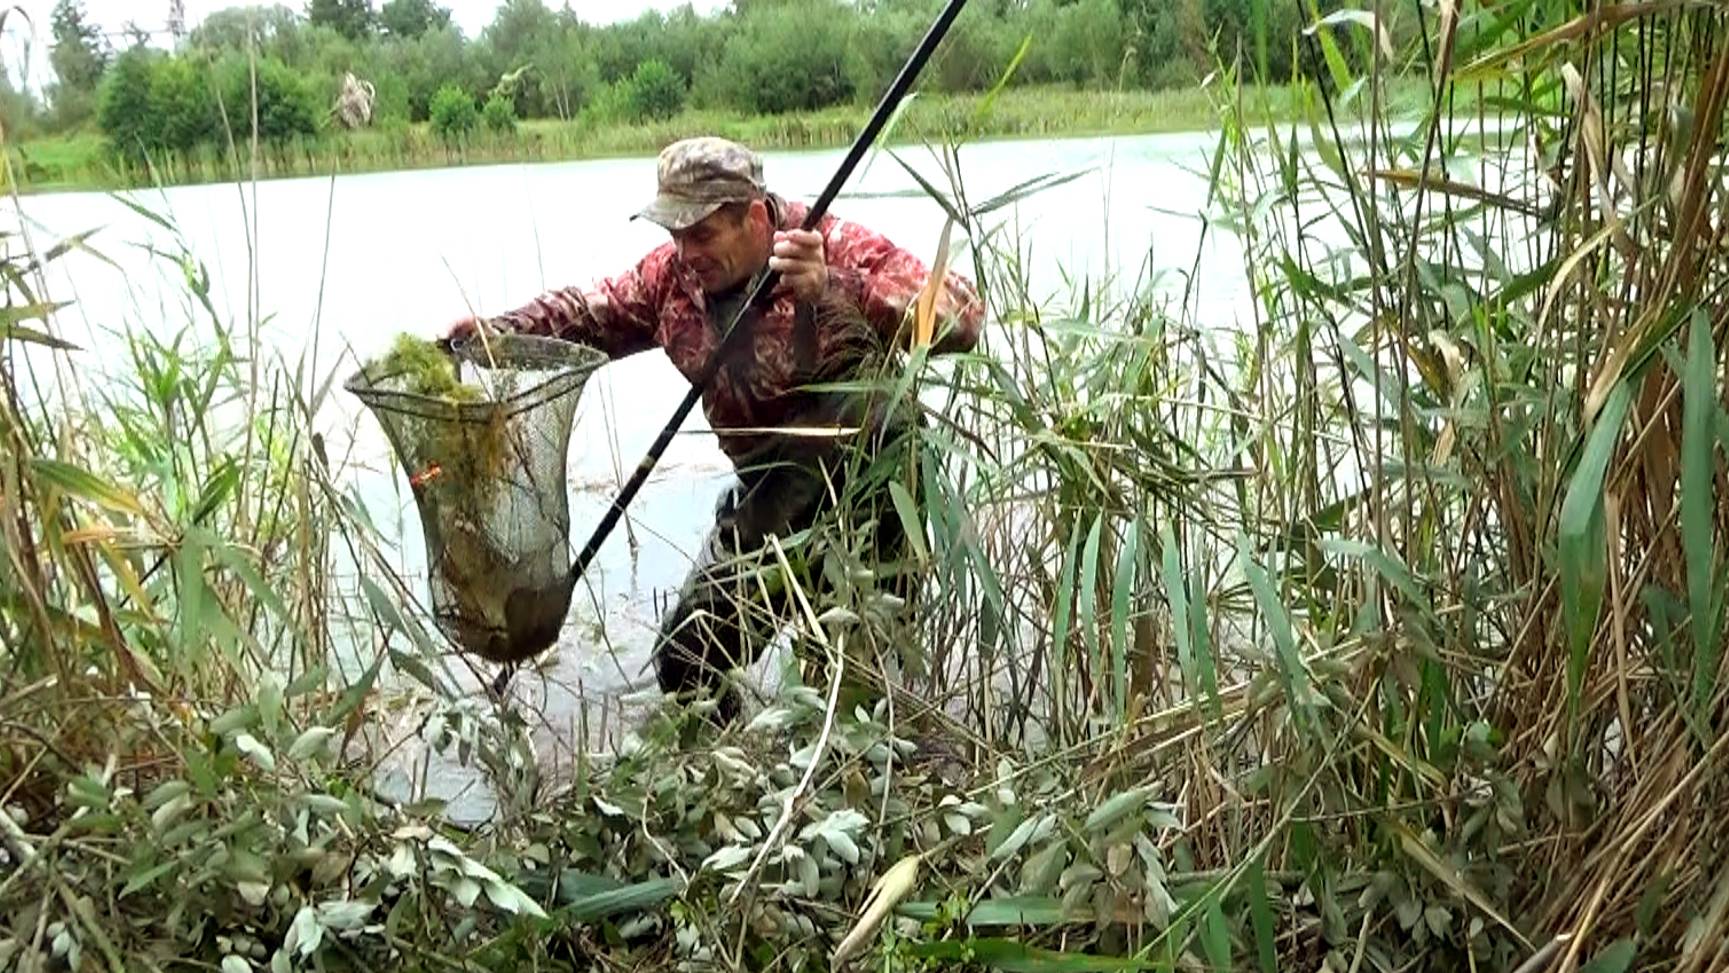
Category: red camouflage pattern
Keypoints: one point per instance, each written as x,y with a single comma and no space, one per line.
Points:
660,302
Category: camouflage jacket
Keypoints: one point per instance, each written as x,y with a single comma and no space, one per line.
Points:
659,303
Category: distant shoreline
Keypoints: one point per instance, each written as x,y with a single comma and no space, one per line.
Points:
82,162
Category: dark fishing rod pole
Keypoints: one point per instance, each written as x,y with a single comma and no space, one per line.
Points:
759,296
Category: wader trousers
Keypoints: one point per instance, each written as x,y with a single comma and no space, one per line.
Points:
727,611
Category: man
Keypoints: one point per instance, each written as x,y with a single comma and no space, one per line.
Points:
843,301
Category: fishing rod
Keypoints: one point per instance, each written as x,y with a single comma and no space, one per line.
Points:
896,92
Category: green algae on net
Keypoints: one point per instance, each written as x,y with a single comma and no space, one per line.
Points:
487,465
467,449
426,369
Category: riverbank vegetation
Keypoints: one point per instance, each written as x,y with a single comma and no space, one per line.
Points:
345,87
1379,630
472,137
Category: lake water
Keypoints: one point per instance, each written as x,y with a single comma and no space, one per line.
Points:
343,265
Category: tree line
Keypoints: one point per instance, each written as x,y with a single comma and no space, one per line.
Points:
534,61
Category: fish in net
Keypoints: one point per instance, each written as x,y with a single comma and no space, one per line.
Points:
485,461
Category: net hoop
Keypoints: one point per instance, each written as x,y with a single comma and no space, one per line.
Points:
563,367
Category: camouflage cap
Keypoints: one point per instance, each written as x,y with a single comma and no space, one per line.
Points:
697,176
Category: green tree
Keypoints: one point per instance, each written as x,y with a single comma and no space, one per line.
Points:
426,63
567,74
520,33
1171,42
499,114
182,107
273,31
788,58
324,55
20,115
517,26
1165,43
1262,31
79,56
879,45
350,18
694,40
755,55
411,18
655,91
393,103
1085,43
689,43
619,48
123,105
975,53
287,105
453,113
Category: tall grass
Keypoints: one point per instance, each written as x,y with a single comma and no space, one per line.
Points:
1382,632
1446,524
1413,591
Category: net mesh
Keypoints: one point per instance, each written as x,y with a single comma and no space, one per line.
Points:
487,471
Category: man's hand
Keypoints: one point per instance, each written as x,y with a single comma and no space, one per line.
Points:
462,328
798,257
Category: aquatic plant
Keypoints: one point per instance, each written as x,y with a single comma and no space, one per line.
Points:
427,369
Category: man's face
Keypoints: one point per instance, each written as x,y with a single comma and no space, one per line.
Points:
724,249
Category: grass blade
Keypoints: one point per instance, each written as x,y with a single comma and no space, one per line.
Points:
887,133
936,195
910,523
1261,916
1035,910
1030,187
1291,672
1089,591
892,887
1013,956
1583,550
238,562
925,319
595,906
1120,594
143,211
1698,503
1202,638
1335,59
983,111
1064,614
31,336
1216,936
194,596
1117,807
85,485
1178,599
1617,958
1386,566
